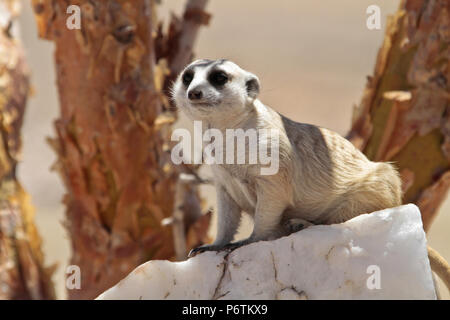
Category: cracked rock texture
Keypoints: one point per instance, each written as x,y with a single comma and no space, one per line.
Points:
320,262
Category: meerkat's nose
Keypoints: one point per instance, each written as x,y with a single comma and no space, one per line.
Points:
195,94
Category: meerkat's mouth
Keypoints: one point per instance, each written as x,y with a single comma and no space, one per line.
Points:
202,104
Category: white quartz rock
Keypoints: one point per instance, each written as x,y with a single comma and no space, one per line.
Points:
381,255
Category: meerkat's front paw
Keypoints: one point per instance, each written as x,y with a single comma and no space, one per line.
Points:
234,245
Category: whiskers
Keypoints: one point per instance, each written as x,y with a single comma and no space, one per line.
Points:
170,94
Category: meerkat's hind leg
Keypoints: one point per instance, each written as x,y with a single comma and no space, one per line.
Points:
296,224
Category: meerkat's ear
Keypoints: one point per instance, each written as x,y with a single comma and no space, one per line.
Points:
252,85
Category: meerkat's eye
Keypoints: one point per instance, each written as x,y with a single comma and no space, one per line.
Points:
218,78
187,77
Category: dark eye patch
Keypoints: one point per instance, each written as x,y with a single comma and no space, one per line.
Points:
218,78
187,77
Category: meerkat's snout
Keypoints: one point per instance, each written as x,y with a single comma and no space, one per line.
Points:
195,94
201,83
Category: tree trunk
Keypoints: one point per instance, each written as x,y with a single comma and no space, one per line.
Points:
113,135
404,116
22,273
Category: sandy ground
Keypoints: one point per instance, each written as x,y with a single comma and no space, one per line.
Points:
312,58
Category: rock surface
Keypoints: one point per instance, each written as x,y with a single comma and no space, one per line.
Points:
381,255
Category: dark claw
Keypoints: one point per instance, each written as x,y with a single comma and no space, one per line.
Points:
201,249
229,247
195,251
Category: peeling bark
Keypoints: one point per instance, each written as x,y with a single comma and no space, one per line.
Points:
113,136
22,271
174,52
404,115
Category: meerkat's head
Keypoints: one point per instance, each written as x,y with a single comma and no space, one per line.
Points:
214,88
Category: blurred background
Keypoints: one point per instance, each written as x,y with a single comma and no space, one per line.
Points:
312,58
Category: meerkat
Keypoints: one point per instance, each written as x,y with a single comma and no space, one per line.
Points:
321,179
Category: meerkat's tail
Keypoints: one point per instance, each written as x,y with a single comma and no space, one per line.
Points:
440,266
392,182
